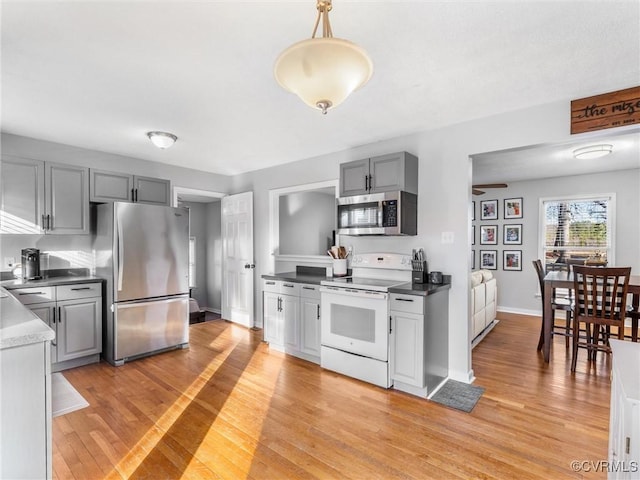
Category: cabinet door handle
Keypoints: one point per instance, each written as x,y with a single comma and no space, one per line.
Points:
390,324
31,293
44,221
370,183
49,222
318,310
270,283
133,194
136,194
366,182
308,288
288,285
404,299
54,314
59,315
81,288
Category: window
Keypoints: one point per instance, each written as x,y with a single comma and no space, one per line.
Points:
577,229
192,262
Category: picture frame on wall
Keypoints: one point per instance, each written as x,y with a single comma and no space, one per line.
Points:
489,259
512,260
473,234
488,234
512,234
473,259
489,210
473,210
512,208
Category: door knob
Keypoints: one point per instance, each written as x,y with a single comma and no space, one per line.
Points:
249,265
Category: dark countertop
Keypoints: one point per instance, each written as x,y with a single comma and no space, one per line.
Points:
297,277
49,281
422,289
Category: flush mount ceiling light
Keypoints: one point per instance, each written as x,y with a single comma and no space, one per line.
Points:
593,151
323,72
162,139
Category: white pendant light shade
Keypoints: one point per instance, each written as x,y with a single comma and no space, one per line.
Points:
323,72
162,139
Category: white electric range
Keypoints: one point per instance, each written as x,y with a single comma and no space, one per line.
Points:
355,316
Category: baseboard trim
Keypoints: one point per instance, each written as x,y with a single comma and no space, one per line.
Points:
519,311
212,310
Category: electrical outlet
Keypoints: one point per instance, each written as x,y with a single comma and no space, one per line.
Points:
9,262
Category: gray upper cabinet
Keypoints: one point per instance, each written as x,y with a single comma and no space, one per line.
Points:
22,191
121,187
385,173
152,190
111,187
44,197
67,199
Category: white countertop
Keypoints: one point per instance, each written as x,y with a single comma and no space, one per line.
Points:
47,282
19,325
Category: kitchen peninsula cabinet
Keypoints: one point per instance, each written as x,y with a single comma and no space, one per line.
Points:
291,315
121,187
624,412
385,173
25,392
74,312
44,197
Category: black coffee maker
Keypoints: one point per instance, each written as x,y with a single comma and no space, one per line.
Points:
31,264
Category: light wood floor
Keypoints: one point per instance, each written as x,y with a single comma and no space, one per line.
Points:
229,408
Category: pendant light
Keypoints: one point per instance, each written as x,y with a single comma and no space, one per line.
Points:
324,71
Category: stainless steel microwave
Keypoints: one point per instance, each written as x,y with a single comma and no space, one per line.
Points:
388,213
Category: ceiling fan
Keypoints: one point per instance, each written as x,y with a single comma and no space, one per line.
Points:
476,189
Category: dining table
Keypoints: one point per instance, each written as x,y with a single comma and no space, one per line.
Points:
563,279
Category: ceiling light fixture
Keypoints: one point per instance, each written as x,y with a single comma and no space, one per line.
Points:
593,151
162,139
323,72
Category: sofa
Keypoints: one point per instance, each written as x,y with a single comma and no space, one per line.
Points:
484,293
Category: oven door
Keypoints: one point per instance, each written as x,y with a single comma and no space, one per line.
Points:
355,321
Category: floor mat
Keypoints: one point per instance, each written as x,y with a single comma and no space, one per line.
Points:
458,395
64,398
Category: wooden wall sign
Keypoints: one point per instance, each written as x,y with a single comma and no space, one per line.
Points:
609,110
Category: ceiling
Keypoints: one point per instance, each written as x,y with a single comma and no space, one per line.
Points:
557,160
100,74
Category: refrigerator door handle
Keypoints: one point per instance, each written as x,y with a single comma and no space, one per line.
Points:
165,300
120,252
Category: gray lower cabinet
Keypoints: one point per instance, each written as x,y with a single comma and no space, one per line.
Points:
384,173
291,317
121,187
419,342
310,320
44,197
74,312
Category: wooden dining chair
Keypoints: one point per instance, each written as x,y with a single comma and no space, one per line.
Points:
558,302
600,295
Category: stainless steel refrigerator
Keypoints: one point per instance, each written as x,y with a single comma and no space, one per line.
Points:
142,251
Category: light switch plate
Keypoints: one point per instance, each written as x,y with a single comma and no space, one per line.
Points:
447,237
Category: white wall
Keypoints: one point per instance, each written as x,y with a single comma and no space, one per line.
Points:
306,221
518,290
444,196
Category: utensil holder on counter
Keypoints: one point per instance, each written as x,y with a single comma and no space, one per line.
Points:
420,273
339,267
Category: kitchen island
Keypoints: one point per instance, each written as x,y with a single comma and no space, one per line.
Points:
25,391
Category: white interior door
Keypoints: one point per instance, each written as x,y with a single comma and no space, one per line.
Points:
237,258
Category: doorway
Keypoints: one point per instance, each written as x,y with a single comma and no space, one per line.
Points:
205,269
